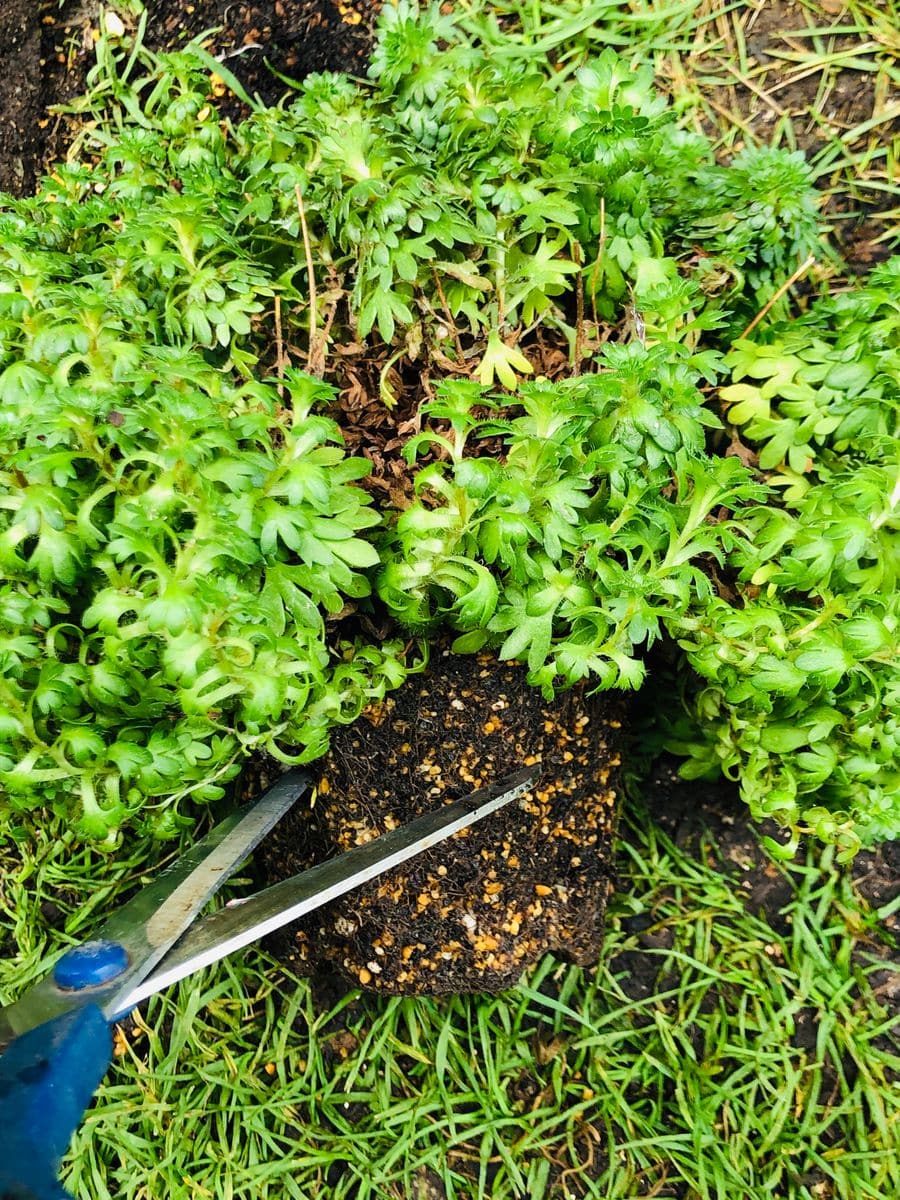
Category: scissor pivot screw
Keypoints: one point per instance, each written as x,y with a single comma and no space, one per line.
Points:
90,965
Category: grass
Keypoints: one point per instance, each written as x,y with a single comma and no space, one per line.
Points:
716,1053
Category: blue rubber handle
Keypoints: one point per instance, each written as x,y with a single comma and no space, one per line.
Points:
47,1078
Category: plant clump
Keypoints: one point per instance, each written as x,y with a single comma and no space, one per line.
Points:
800,686
171,544
190,571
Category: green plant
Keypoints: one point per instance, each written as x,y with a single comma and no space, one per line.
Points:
575,549
686,1063
179,520
449,208
757,219
801,691
820,395
606,525
169,542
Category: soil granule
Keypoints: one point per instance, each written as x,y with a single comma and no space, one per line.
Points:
474,912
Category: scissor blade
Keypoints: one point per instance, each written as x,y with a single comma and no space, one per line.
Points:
245,921
149,924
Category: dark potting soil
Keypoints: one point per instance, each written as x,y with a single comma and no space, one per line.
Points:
471,914
261,39
21,97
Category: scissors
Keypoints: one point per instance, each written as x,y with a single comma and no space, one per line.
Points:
56,1040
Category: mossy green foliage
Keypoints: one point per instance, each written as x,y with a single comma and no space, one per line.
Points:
172,542
176,525
801,691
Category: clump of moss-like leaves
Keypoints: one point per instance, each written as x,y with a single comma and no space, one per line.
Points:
181,529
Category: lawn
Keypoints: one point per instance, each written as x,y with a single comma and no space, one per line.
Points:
718,1052
739,1038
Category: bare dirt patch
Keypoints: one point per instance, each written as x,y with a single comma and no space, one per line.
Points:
472,914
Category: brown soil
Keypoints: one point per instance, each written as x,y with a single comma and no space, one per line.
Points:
21,100
471,914
779,27
296,37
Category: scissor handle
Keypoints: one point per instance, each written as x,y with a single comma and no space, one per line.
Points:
47,1078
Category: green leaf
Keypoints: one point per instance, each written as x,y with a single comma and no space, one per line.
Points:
783,739
745,403
825,658
501,362
357,553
